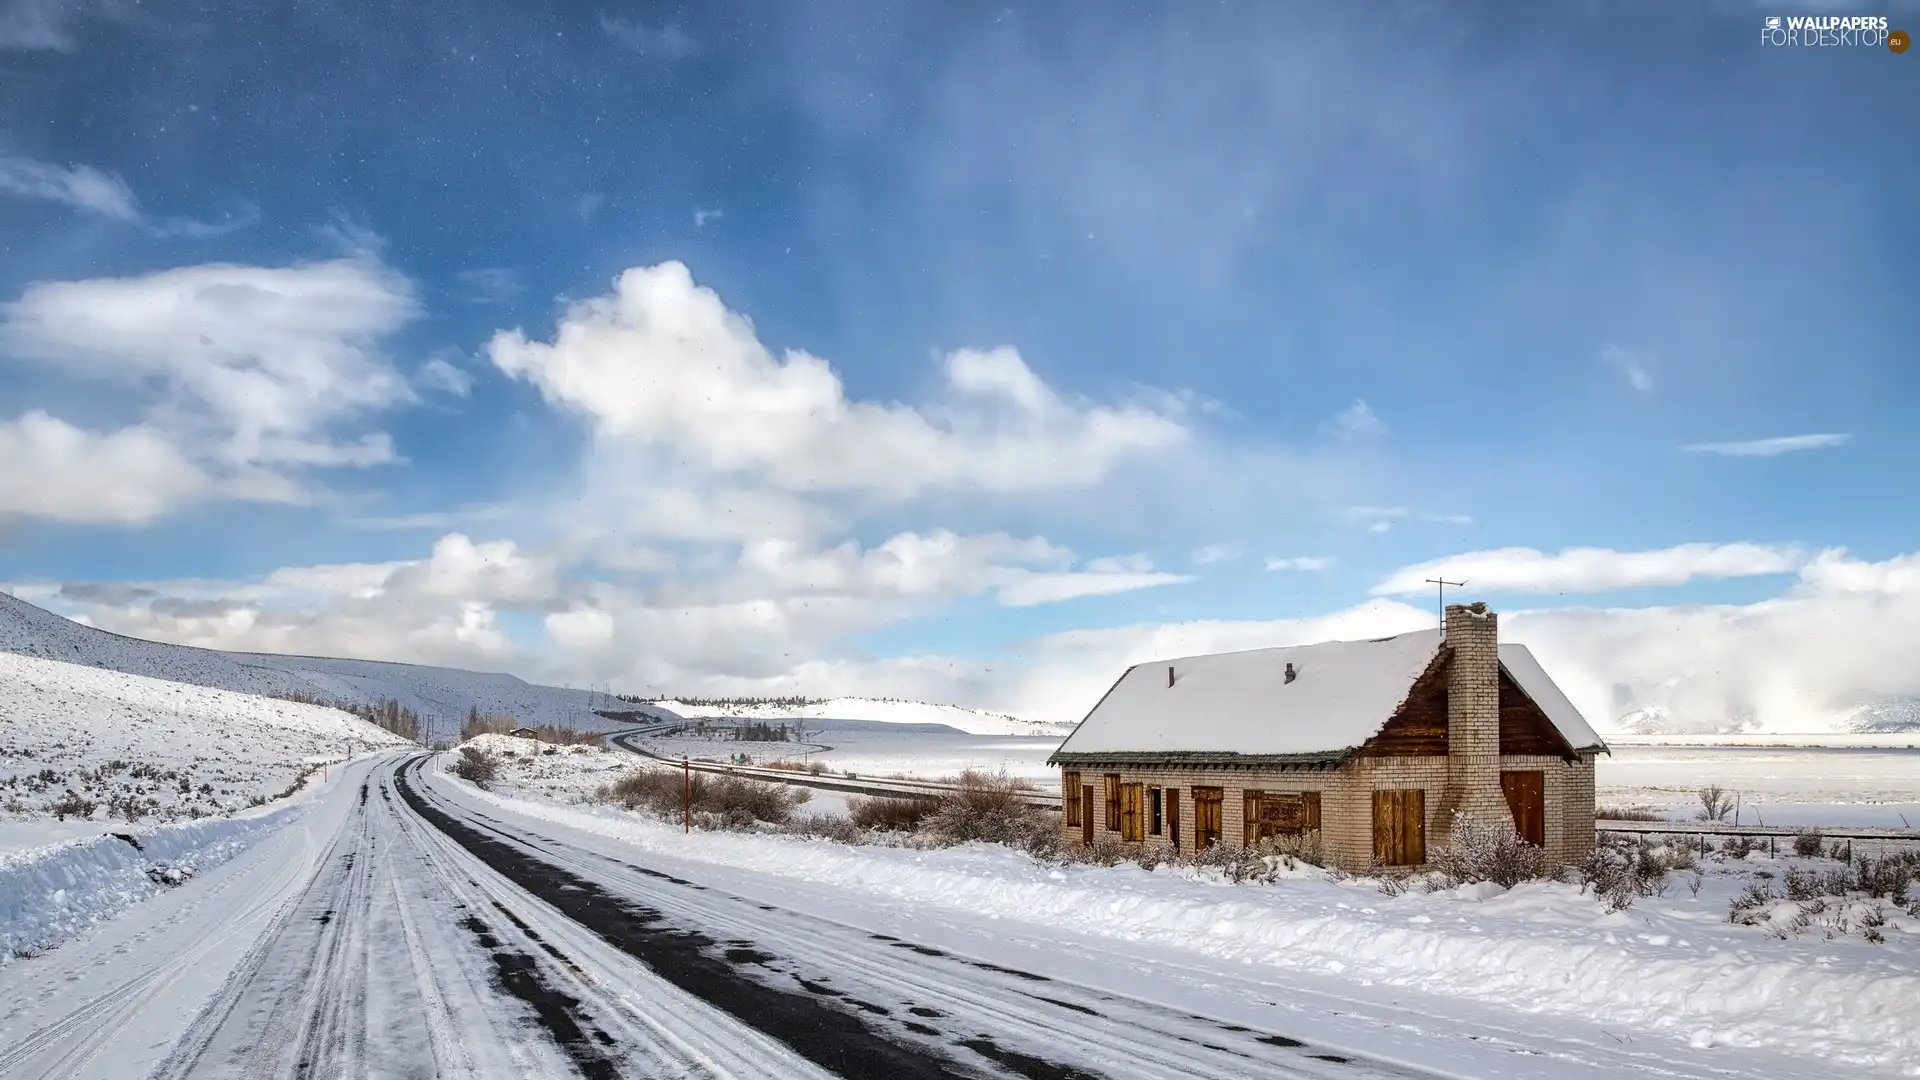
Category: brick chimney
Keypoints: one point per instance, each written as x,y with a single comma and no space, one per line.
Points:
1473,720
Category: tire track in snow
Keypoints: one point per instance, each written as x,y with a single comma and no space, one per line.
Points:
831,1037
1013,1021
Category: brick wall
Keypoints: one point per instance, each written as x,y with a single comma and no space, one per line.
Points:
1346,801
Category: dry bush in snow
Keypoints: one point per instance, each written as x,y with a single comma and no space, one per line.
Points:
723,802
476,766
889,815
1476,852
989,807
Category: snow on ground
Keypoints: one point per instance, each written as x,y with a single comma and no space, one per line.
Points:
888,711
51,893
100,747
1833,786
1671,965
440,695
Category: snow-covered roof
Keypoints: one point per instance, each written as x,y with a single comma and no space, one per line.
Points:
1531,677
1239,704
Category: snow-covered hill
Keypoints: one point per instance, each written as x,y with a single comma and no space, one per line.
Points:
442,696
100,745
971,721
1892,715
1657,720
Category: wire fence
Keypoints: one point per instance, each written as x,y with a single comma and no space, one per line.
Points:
1773,839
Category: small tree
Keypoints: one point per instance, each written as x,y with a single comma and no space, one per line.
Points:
1715,803
476,765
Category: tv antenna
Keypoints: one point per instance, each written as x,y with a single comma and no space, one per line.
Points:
1440,586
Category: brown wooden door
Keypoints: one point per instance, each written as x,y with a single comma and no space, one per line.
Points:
1086,815
1400,827
1527,797
1173,817
1206,817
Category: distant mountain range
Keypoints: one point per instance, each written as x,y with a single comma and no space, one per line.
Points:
1889,715
442,696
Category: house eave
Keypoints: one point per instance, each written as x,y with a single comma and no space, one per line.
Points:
1189,759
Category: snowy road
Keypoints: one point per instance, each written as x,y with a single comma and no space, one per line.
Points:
405,927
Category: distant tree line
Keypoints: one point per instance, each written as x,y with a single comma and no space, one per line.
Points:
387,713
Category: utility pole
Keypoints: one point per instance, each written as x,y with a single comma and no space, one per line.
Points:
1440,585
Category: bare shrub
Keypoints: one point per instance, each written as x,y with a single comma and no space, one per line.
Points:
476,766
989,807
1620,872
1238,865
1155,855
1738,846
720,802
71,805
1716,803
1476,852
1807,843
826,827
889,815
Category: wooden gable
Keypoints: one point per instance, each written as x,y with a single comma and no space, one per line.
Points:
1524,727
1419,727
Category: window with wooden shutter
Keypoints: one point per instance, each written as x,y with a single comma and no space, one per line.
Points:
1113,802
1133,812
1250,807
1400,827
1206,817
1070,796
1272,813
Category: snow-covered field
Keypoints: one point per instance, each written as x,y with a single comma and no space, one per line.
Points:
440,695
1671,966
1784,785
104,750
1860,782
971,721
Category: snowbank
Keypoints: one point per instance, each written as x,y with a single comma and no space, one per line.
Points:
49,894
1671,965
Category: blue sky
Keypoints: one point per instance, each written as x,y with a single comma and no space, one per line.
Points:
327,288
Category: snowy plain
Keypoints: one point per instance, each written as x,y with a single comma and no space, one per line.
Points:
1671,971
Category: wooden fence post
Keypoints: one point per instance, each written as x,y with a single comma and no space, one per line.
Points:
686,795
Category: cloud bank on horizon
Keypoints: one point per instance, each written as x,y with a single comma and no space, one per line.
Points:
1016,357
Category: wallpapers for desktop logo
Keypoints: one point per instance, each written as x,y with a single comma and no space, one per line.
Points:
1859,31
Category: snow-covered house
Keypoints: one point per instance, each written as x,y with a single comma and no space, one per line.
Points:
1373,744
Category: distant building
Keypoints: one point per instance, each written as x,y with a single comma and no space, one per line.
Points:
1374,745
524,733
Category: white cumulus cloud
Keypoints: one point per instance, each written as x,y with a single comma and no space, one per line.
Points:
1592,569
